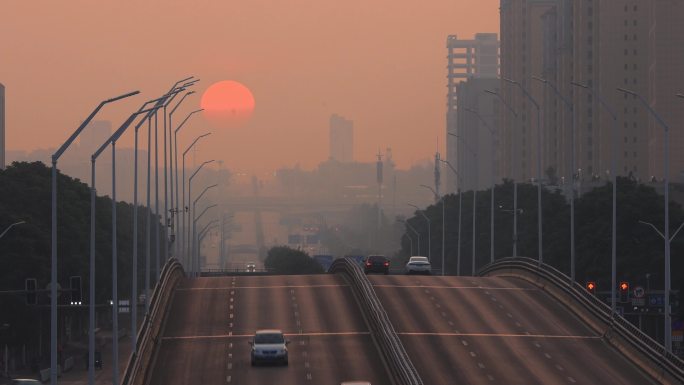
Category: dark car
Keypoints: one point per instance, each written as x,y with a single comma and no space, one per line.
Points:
376,264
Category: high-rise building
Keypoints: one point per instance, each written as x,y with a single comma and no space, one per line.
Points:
2,126
341,139
604,44
472,66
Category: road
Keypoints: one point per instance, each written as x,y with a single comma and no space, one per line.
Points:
206,336
464,330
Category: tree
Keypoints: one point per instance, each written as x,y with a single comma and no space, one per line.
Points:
284,260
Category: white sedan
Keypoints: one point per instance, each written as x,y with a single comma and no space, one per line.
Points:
418,265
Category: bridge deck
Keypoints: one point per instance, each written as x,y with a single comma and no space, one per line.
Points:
211,320
494,331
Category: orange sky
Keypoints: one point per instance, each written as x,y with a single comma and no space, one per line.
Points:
380,63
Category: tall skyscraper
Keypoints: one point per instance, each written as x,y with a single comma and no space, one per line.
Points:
604,44
473,65
2,126
341,139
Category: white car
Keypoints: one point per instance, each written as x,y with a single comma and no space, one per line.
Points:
418,265
269,345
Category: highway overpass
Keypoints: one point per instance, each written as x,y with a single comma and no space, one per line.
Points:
502,329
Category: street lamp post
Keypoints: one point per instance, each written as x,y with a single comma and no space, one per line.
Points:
491,219
115,257
515,182
173,163
613,174
437,197
539,166
10,226
194,203
200,237
183,207
429,234
414,231
571,108
410,241
666,232
472,151
458,242
195,258
53,274
190,214
223,241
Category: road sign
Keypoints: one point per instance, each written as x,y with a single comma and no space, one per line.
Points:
656,300
49,288
639,292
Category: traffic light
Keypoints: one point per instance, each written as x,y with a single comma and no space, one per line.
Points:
30,287
591,287
75,286
624,291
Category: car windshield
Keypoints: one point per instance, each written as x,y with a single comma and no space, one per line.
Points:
376,258
269,338
418,260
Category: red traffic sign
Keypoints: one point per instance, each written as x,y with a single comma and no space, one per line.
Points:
639,292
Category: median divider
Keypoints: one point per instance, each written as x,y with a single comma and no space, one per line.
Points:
637,346
399,365
142,357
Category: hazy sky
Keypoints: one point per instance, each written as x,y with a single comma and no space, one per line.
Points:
380,63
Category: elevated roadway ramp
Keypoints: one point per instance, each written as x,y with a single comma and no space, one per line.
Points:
473,330
205,340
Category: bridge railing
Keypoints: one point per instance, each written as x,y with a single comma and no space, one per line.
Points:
140,360
671,366
392,350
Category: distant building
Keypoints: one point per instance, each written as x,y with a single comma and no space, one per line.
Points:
472,66
341,139
2,126
604,44
94,135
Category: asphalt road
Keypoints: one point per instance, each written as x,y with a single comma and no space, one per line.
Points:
206,336
464,330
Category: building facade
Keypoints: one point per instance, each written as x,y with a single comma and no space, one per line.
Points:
470,59
341,139
604,45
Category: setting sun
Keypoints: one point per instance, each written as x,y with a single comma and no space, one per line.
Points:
228,104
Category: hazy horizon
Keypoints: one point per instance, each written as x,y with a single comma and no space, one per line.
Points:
379,64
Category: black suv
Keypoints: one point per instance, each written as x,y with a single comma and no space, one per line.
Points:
376,264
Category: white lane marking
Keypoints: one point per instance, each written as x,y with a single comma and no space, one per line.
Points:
231,307
231,299
231,335
230,355
518,324
298,323
232,292
230,325
228,379
500,335
547,355
493,299
306,364
487,292
231,315
296,314
458,287
308,376
255,287
481,365
464,342
537,345
230,345
443,314
230,366
432,298
438,305
500,306
451,323
509,315
559,367
490,378
472,354
571,379
305,353
427,291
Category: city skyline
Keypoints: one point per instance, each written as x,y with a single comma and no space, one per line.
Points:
386,72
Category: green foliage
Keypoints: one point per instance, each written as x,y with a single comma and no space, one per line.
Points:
640,249
25,251
284,260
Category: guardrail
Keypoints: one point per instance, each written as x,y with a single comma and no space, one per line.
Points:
653,357
139,363
393,353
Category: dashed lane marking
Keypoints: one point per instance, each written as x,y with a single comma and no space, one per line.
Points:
231,335
458,287
577,337
254,287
